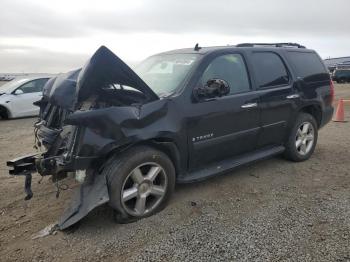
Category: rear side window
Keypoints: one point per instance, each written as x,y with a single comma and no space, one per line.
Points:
308,66
270,70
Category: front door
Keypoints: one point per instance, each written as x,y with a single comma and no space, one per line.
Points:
22,104
226,126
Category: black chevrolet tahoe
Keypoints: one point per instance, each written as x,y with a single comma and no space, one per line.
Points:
181,116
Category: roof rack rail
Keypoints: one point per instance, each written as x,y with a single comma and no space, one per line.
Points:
271,44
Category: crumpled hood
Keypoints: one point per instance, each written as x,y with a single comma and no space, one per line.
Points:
102,69
106,68
61,90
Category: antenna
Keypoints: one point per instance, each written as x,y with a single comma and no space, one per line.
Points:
197,47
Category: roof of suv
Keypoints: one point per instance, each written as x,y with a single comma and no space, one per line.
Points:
210,49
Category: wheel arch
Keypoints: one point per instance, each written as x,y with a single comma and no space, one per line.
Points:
165,145
314,110
4,110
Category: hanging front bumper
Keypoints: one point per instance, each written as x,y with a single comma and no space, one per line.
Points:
24,166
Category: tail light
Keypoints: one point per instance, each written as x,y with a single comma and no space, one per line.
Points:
332,91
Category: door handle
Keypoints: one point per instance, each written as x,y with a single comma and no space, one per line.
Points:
250,105
293,96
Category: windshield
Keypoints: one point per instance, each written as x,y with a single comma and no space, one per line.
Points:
164,73
9,86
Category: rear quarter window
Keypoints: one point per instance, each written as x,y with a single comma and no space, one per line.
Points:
308,66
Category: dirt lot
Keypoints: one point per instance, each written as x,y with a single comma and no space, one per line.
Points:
274,210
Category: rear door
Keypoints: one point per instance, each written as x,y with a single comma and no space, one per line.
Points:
225,126
313,81
277,96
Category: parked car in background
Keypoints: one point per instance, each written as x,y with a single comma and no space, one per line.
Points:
17,96
341,75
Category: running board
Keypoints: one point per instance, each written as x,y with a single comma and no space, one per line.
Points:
229,164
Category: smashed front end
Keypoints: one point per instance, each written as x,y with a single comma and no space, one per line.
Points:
84,115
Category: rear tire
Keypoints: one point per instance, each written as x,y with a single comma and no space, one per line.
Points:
140,182
302,139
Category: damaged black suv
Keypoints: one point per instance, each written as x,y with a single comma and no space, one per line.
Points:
181,116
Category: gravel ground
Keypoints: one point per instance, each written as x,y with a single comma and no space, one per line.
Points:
273,210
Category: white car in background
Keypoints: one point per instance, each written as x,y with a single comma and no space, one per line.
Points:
18,95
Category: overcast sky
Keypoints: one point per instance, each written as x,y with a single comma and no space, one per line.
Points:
57,36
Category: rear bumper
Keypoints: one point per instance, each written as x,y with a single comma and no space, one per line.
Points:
327,115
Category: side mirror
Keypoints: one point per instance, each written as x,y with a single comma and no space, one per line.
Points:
213,88
18,92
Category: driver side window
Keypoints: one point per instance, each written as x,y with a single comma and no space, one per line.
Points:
232,69
33,86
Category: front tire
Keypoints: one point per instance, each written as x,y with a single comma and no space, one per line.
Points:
302,139
141,182
4,114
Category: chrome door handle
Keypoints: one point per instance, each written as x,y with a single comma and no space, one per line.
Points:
250,105
293,96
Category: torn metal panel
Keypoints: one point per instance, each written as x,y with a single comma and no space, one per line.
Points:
119,117
86,198
105,68
61,90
